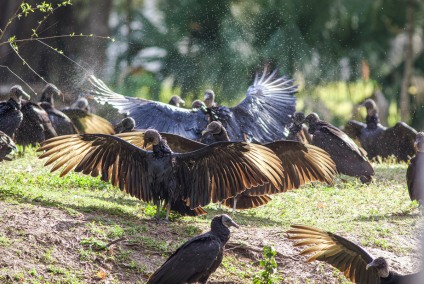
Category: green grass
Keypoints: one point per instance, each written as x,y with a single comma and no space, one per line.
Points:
93,213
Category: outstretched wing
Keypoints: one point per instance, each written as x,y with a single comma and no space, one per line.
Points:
150,114
116,160
88,123
354,128
264,115
337,251
225,169
302,163
177,143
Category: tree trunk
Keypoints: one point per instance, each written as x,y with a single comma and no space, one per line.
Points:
409,63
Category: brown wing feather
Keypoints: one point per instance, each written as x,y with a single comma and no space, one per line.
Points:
337,251
246,201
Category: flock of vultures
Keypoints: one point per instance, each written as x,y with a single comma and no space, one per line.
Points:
183,159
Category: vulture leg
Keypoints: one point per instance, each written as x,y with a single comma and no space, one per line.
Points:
158,210
235,205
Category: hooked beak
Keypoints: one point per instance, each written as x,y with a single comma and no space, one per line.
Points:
144,144
371,264
182,102
205,131
234,224
25,95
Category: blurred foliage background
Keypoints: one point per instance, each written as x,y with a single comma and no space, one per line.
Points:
339,52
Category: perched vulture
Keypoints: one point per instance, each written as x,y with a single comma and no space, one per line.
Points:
6,146
193,179
36,125
302,163
378,140
85,121
176,101
355,263
10,111
197,258
415,172
297,131
350,159
60,121
261,117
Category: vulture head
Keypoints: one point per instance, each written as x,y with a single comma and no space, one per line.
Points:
312,119
215,127
381,265
82,103
298,118
198,104
48,93
223,219
209,98
151,136
125,125
176,101
16,93
371,107
419,142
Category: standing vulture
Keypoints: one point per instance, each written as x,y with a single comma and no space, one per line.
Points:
36,125
378,140
302,163
60,121
356,264
350,159
10,111
85,121
197,258
194,179
6,146
261,117
415,172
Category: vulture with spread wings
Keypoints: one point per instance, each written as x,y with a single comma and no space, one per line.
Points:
263,116
357,265
184,181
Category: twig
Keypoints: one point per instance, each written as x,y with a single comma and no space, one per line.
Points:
114,242
256,249
17,76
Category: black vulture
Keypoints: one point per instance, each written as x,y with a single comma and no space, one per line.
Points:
415,172
36,125
176,101
356,264
10,111
209,174
198,104
127,124
297,131
60,121
198,258
378,140
7,146
350,159
85,121
302,163
261,117
209,99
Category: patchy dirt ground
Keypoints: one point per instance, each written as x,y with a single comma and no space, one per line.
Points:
51,245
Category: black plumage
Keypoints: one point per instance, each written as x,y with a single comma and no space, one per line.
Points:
36,125
60,121
302,163
7,146
378,140
85,121
350,159
210,174
415,172
298,131
127,124
356,263
10,111
261,117
198,258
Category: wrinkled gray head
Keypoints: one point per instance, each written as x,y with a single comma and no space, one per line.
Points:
215,127
198,104
16,93
151,136
227,221
298,118
209,98
312,118
371,106
176,101
125,125
381,265
49,92
81,103
419,142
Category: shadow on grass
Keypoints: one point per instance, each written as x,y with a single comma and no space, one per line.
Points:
404,215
